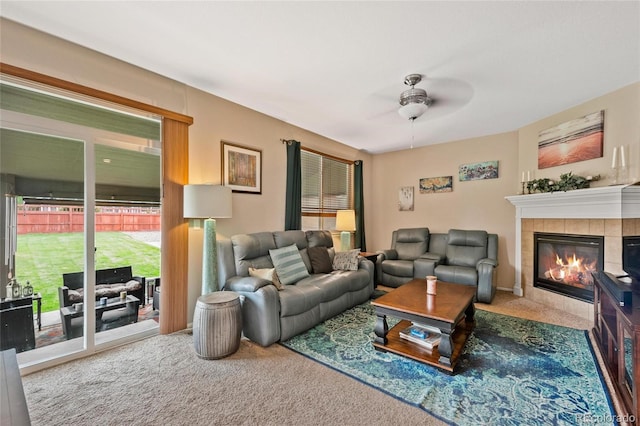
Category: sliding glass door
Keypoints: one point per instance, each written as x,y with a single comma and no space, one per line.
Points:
87,195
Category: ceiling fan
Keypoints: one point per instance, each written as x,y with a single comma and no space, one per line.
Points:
413,102
438,98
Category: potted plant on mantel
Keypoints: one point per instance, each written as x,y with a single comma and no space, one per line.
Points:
567,182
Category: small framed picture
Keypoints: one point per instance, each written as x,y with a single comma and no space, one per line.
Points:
477,171
436,184
405,199
241,168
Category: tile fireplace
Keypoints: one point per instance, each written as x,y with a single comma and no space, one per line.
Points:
563,263
605,213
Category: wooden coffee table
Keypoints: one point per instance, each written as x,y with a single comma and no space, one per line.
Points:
451,310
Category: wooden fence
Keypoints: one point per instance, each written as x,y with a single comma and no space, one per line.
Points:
43,219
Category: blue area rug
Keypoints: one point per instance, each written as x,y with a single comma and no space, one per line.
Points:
512,372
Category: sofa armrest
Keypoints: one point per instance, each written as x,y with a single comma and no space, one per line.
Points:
389,254
369,266
487,279
487,261
63,296
246,284
433,256
424,266
260,309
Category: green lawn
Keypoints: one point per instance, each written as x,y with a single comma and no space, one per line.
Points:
41,259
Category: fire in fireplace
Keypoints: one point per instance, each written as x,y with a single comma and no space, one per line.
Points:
563,263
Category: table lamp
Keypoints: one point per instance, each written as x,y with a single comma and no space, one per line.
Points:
208,202
345,222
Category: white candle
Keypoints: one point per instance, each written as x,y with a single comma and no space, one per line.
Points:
615,154
528,176
623,162
522,177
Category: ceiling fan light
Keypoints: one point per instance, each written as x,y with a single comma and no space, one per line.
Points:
411,111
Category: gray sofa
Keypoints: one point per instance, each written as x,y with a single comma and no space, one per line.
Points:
459,256
270,315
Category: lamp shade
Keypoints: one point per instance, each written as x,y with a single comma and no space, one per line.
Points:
346,220
207,201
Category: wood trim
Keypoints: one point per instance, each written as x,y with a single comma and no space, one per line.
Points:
333,157
175,230
175,172
95,93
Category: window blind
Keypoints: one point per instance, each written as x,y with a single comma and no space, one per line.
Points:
327,184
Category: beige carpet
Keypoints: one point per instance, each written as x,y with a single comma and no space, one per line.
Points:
161,381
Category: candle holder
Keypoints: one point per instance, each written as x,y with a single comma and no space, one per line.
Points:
522,192
623,174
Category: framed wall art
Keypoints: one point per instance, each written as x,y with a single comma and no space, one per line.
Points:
241,168
405,199
478,171
573,141
436,184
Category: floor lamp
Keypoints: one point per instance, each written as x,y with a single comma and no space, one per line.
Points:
208,202
345,222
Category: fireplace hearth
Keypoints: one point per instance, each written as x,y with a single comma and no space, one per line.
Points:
563,263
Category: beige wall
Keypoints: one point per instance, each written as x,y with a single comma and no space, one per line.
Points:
215,119
477,204
621,127
471,205
481,204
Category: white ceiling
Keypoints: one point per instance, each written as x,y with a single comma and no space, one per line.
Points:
337,68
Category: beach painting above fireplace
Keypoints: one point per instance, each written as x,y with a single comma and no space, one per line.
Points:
572,141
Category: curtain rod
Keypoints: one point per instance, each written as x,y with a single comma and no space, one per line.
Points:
357,162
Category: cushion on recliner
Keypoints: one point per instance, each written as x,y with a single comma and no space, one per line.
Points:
466,248
320,260
346,260
411,243
289,265
398,268
104,290
286,238
457,274
459,237
319,239
252,250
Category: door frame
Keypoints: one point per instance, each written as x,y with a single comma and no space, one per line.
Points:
175,171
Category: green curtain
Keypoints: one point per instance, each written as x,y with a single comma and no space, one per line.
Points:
359,206
293,208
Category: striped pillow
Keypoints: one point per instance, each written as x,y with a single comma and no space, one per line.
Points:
289,265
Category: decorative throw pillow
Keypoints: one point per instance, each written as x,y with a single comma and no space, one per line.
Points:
75,295
320,261
289,265
346,260
268,274
132,285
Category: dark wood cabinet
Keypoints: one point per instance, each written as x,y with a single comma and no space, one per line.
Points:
617,332
16,322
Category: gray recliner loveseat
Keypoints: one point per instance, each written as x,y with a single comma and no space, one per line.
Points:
467,257
269,314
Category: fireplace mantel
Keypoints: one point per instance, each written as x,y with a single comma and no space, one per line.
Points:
608,202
